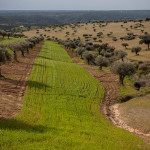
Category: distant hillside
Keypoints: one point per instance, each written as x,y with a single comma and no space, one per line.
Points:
58,17
85,16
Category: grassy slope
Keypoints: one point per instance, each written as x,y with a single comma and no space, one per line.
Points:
61,110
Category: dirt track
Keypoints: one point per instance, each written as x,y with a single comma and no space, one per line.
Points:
13,86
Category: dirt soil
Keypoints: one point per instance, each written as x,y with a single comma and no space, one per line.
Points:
109,107
13,84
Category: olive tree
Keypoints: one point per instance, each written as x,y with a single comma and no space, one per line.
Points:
4,56
120,54
88,57
3,33
8,34
35,40
101,61
136,49
99,50
145,40
123,69
25,45
125,45
80,51
14,46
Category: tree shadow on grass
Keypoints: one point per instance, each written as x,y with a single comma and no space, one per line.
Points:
30,83
44,57
35,64
14,124
37,85
40,65
31,64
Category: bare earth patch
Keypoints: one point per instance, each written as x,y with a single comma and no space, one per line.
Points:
13,86
133,116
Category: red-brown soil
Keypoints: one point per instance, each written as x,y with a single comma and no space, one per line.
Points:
13,84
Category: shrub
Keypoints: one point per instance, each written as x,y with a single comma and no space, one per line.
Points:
139,84
96,46
114,39
143,67
107,54
94,38
104,46
122,38
89,48
110,49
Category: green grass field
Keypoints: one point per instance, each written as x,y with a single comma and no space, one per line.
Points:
11,39
62,110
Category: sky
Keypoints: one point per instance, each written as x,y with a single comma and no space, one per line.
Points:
74,4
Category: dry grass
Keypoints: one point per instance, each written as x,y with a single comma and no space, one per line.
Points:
136,113
116,28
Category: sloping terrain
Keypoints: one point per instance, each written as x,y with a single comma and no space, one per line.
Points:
117,30
133,115
62,110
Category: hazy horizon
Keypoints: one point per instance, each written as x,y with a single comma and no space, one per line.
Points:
73,10
78,5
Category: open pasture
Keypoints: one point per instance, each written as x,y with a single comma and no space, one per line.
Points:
118,30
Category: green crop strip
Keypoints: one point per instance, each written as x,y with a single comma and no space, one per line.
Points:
11,39
62,110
